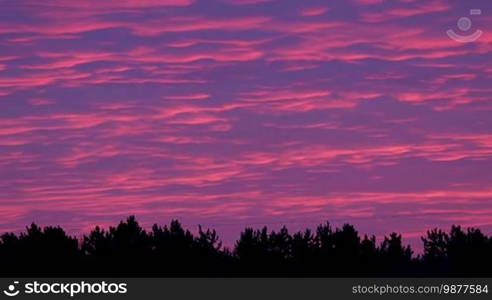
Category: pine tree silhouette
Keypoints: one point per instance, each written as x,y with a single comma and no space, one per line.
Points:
129,250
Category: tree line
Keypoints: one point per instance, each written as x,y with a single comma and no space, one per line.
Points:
129,250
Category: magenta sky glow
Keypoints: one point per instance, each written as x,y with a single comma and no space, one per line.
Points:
231,113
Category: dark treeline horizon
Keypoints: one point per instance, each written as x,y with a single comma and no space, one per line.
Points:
128,250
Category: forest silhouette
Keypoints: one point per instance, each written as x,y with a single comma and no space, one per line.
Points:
172,251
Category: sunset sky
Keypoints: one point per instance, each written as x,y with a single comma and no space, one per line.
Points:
234,113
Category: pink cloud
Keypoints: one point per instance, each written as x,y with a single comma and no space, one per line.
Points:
198,96
314,11
41,101
111,4
405,12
